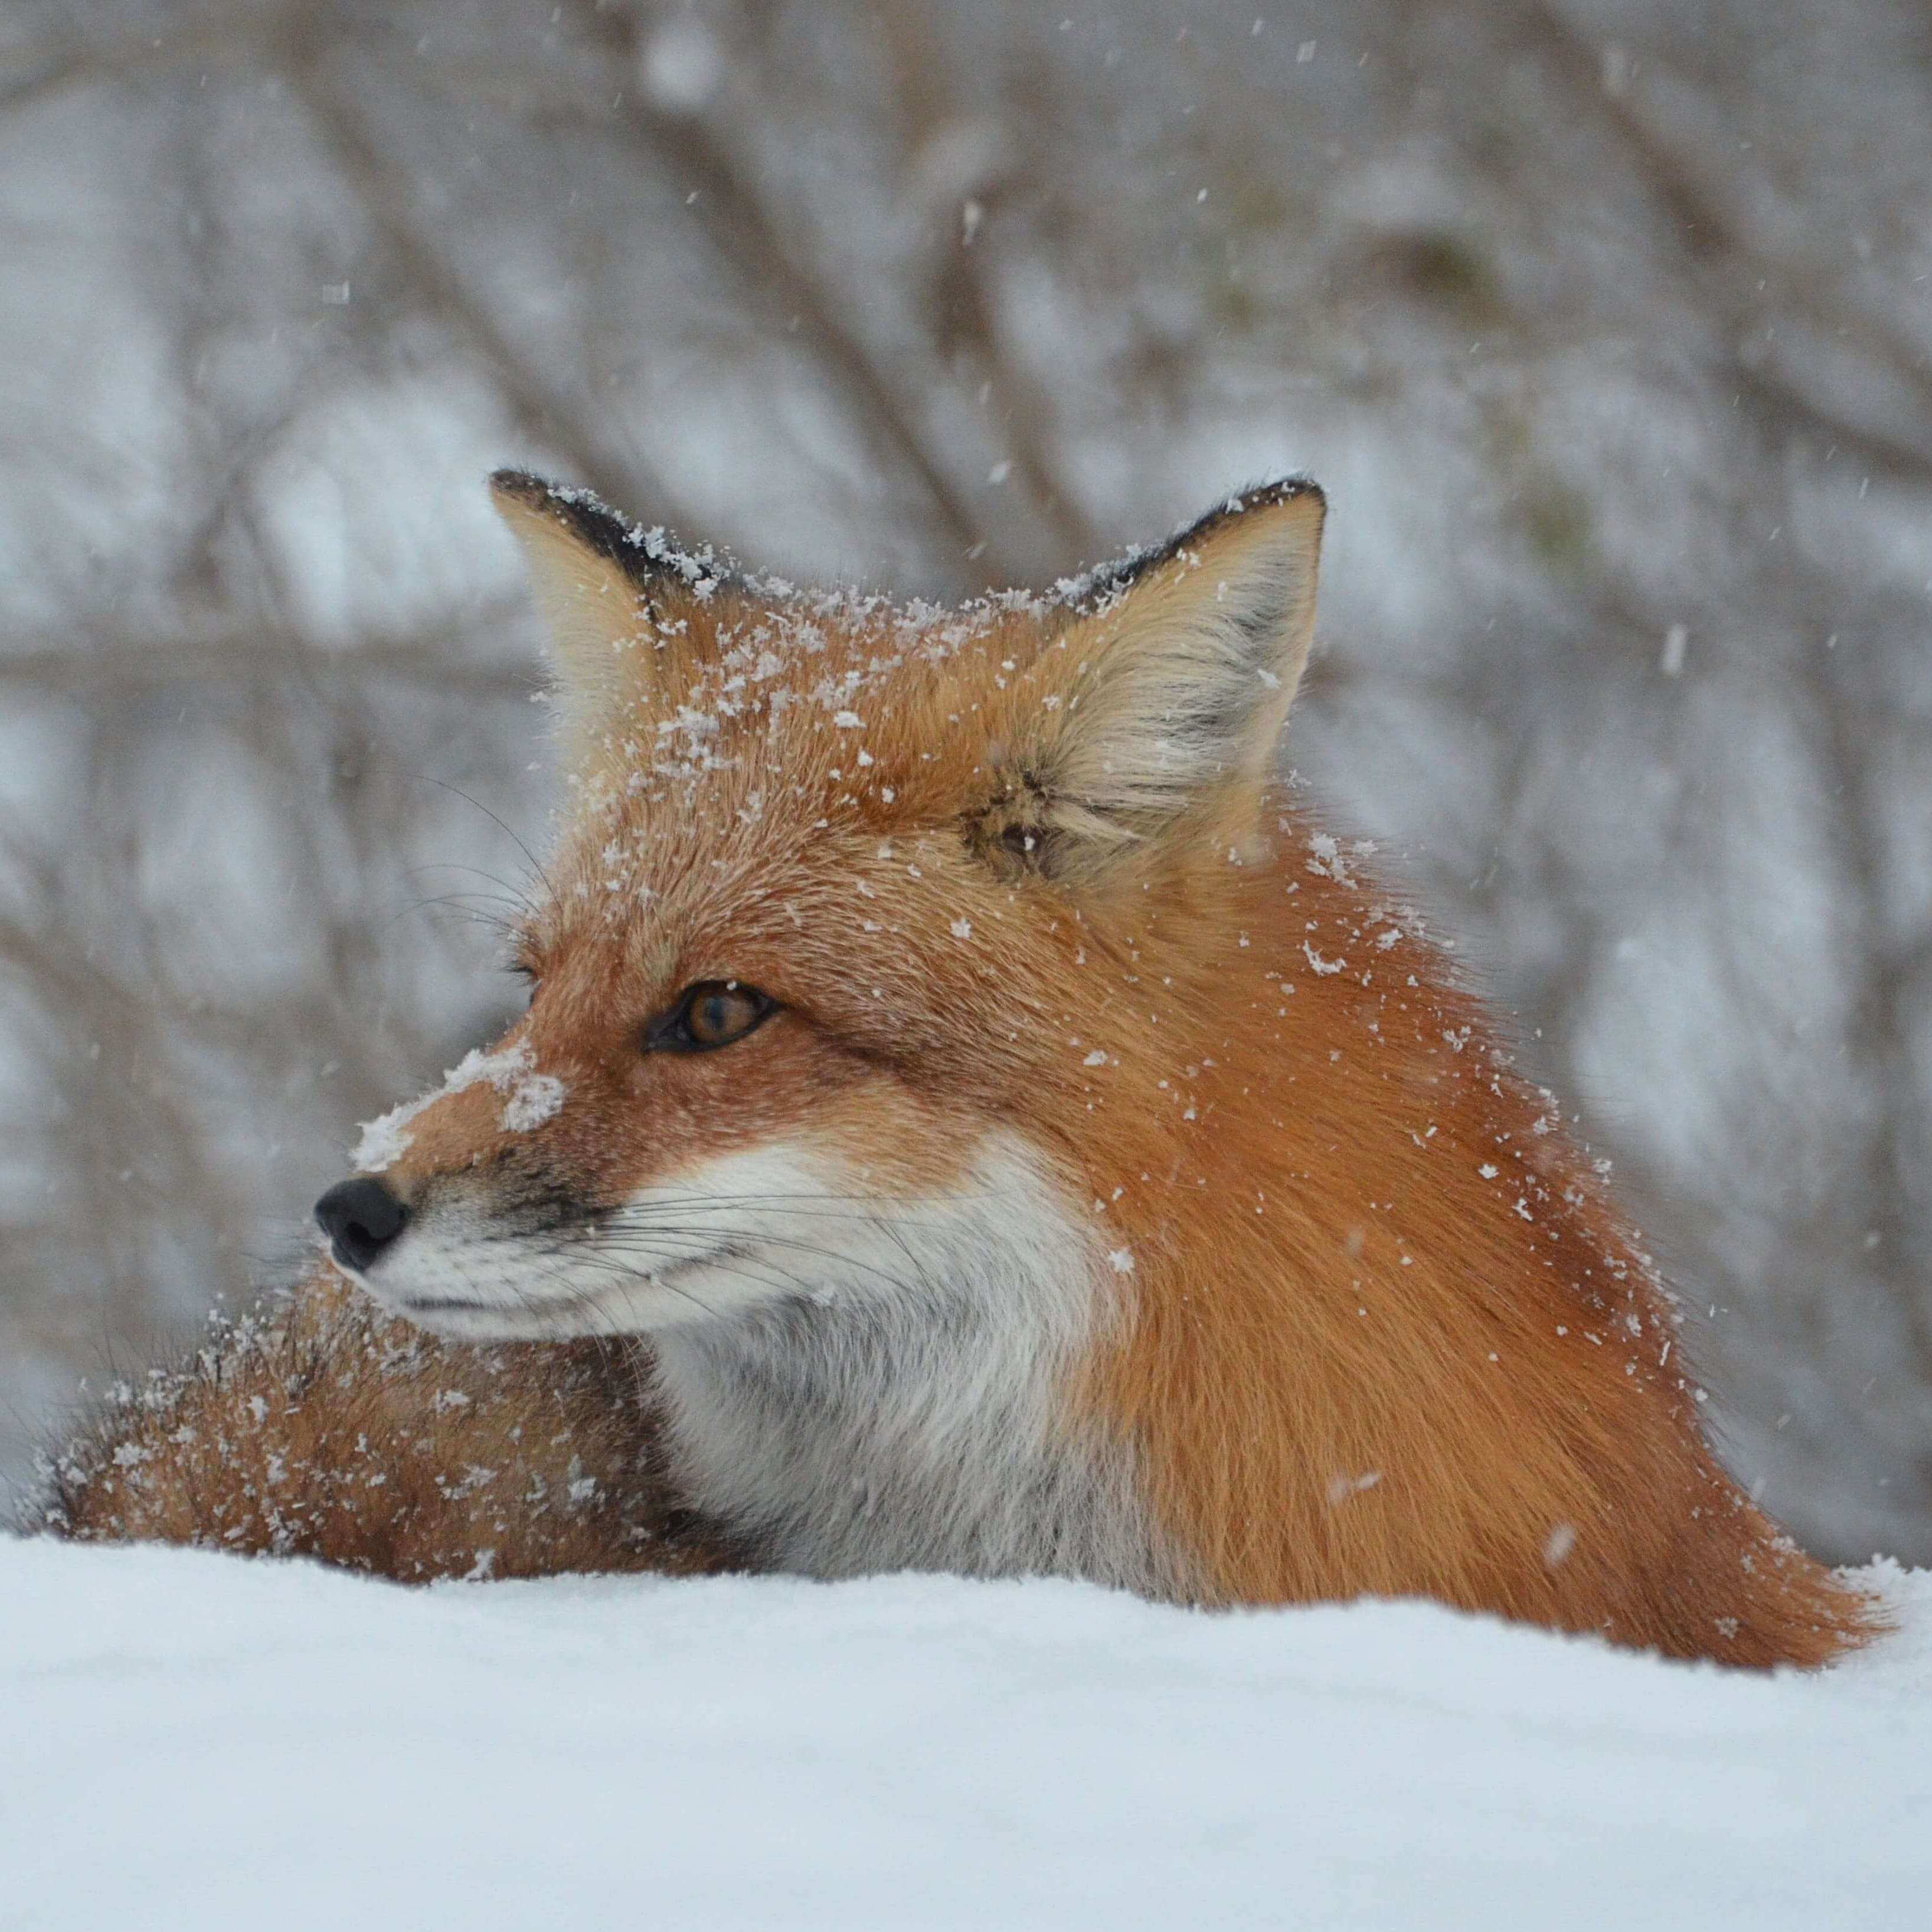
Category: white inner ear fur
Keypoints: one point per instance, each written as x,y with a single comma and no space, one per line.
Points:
1187,678
592,612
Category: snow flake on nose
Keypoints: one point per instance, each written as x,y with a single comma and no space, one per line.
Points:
531,1098
536,1098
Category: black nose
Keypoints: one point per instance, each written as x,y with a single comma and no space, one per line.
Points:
360,1218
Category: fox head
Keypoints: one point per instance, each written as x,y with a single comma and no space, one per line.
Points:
862,922
1027,1145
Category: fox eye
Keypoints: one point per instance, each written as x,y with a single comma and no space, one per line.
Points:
713,1013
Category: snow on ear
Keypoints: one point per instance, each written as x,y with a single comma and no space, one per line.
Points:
1179,677
607,590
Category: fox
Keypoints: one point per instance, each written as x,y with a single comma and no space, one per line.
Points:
969,1116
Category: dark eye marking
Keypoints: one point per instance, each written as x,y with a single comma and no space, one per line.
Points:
711,1014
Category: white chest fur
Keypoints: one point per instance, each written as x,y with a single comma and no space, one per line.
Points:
910,1412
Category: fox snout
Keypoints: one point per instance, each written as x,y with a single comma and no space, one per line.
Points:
362,1217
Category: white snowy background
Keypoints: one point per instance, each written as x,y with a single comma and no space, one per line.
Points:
189,1743
1607,323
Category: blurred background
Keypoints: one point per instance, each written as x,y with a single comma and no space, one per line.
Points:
1606,323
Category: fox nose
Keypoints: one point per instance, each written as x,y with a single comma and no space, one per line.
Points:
361,1217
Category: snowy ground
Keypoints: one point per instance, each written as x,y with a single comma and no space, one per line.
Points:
187,1740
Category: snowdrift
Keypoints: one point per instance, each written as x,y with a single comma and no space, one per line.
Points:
193,1741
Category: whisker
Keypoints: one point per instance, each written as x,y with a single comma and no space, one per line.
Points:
608,1245
567,1263
665,1244
455,901
869,1206
512,895
457,791
730,1263
671,1190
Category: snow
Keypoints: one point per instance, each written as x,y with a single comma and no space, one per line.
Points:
189,1740
536,1098
682,66
532,1099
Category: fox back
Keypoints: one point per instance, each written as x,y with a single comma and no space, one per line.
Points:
1029,1144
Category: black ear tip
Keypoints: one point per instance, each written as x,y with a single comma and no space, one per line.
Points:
522,486
1108,581
1296,488
582,514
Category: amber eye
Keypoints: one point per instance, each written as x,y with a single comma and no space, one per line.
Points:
713,1013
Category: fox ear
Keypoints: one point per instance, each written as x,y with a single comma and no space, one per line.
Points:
602,586
1176,682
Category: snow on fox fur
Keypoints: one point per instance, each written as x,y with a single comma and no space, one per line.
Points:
1024,1142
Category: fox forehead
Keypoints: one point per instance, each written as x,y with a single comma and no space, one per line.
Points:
815,776
876,716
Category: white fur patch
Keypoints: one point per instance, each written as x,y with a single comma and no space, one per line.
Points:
854,1381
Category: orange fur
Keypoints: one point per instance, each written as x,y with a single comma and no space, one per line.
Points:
1379,1331
1421,1356
319,1430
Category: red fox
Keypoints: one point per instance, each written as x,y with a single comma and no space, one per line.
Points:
1026,1144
